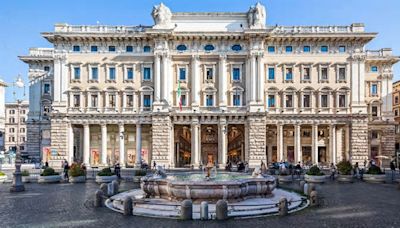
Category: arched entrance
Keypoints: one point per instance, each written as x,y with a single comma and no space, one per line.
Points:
236,142
182,145
209,144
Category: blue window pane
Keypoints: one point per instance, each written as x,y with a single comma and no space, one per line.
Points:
209,101
181,47
112,73
209,47
289,76
146,101
289,49
146,73
271,49
130,73
76,48
182,74
271,73
129,49
342,49
236,47
374,89
374,69
77,73
271,102
93,48
47,88
146,49
306,49
95,72
111,48
236,74
47,68
236,100
324,48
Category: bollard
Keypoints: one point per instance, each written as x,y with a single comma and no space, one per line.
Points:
187,210
127,206
302,183
98,198
314,198
283,207
221,210
115,187
311,187
305,189
204,210
104,188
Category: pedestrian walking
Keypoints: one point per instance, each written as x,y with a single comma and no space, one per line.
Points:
393,169
333,171
66,169
154,164
117,170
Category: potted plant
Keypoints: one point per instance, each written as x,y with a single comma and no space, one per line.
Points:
3,177
139,173
76,174
25,176
344,169
374,175
49,176
284,176
314,175
105,176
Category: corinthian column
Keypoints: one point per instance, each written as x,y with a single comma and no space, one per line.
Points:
165,79
103,144
86,144
253,78
195,81
222,82
157,78
261,79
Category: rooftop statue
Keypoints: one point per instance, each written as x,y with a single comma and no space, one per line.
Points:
257,16
162,16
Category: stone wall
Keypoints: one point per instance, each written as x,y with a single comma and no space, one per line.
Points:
161,135
257,140
33,140
359,141
388,140
59,141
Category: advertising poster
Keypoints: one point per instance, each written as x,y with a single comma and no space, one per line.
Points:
95,156
46,153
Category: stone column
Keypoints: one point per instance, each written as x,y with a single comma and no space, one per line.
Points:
86,144
196,81
261,80
253,79
138,161
315,144
157,78
280,141
104,144
347,142
172,149
358,83
297,143
332,143
222,142
70,144
222,82
195,144
122,136
165,78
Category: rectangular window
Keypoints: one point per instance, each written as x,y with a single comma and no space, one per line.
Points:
129,72
209,100
94,100
209,73
236,100
342,49
374,69
93,48
146,73
183,99
129,48
374,111
95,73
46,89
47,68
289,101
11,130
129,100
324,49
271,49
111,73
342,73
374,134
111,48
306,75
11,120
77,100
324,101
182,74
324,73
236,74
374,89
22,130
76,48
22,120
342,101
271,73
146,101
289,49
306,101
306,49
111,100
271,101
12,111
77,73
289,74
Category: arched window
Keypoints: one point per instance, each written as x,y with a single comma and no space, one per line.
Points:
181,47
146,49
236,47
209,47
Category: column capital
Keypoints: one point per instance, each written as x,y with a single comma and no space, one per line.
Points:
195,57
103,125
222,57
121,125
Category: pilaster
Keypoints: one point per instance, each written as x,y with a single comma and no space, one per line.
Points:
257,138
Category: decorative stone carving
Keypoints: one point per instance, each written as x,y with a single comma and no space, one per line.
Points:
256,16
162,17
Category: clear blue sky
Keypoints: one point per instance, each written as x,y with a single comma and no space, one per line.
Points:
21,21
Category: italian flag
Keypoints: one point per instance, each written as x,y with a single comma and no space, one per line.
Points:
179,95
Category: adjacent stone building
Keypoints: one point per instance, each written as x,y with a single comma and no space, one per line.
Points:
3,86
396,111
219,87
13,137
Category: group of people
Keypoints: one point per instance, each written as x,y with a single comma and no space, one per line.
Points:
241,166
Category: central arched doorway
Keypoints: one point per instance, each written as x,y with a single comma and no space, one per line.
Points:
236,144
209,144
183,154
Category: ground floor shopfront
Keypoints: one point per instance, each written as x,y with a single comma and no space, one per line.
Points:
192,140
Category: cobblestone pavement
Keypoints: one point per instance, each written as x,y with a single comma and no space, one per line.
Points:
70,205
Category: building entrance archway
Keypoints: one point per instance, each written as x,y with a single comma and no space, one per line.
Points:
182,146
236,143
209,144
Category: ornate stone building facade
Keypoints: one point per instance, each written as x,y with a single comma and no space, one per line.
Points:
13,138
223,87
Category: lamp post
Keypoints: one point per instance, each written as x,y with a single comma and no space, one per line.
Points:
17,185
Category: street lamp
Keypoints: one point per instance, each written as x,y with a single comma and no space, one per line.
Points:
17,185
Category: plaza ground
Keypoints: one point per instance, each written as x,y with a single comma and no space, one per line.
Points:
70,205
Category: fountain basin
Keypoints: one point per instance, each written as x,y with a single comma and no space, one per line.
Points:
229,186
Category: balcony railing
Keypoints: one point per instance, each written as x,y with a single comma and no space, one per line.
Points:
64,28
319,29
